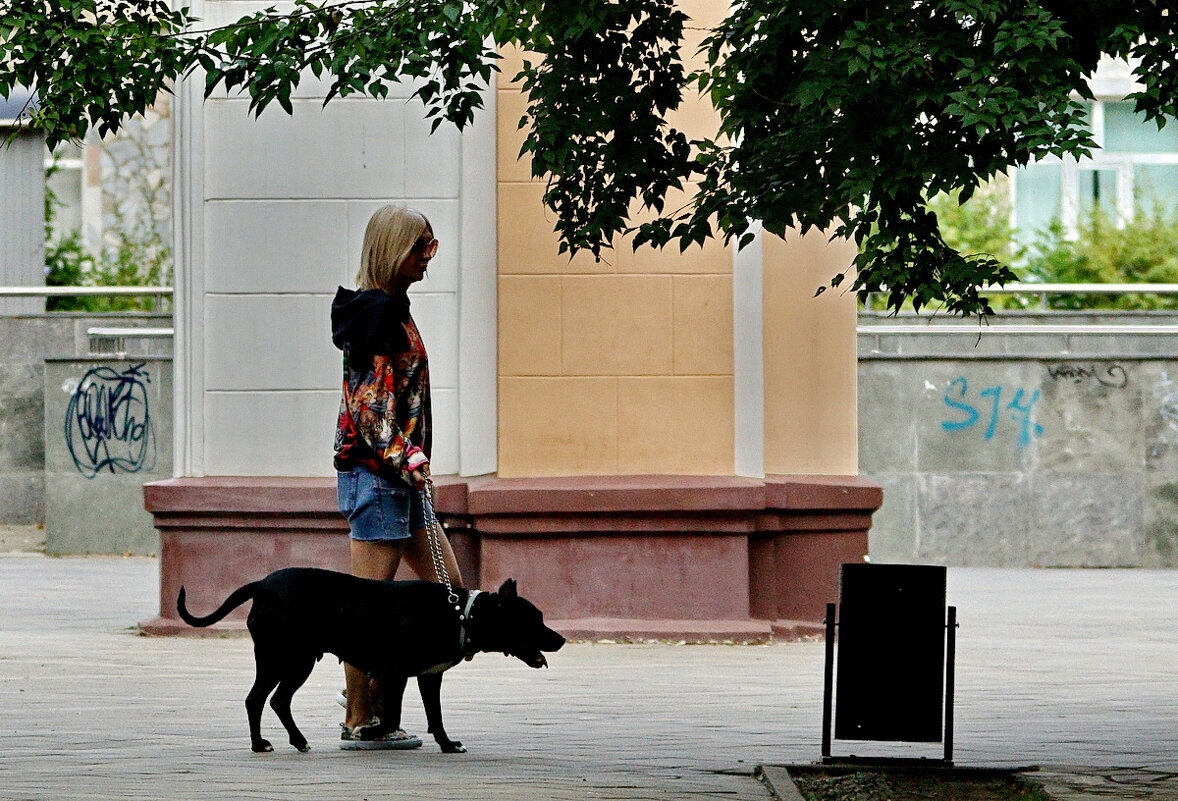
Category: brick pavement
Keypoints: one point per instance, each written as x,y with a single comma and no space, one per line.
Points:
1054,668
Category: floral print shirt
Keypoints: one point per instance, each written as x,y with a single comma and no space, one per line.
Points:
384,416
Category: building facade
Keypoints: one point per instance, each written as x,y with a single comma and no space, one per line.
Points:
598,421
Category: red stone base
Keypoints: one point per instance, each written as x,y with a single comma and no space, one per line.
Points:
621,557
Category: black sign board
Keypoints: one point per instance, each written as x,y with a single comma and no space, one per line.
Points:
891,653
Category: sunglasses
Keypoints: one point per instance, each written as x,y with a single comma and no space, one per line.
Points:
426,247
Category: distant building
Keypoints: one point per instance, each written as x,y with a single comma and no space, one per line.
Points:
1135,167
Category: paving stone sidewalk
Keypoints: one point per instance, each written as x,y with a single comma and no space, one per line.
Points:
1055,668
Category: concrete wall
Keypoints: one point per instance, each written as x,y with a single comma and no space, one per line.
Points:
108,430
26,341
1020,450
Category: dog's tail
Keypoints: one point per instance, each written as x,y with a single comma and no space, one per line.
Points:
236,599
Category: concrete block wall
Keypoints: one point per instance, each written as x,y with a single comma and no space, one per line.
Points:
22,216
1023,450
108,431
27,341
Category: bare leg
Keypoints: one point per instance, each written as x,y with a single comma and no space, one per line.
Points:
417,556
373,560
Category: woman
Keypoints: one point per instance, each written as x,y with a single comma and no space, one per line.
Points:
382,442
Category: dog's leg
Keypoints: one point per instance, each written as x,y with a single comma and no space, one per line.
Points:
297,670
430,686
390,691
266,679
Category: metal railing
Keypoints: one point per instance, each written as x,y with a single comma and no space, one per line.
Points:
82,291
1083,289
1016,328
1044,290
113,341
972,332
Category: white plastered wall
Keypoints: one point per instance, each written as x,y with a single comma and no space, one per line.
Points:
271,213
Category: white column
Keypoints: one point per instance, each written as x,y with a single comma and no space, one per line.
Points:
188,292
748,359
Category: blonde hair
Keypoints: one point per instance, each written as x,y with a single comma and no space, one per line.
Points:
391,234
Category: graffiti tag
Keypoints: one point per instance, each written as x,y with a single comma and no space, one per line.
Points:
1113,376
108,422
993,403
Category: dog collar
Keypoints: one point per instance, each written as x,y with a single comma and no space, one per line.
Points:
463,619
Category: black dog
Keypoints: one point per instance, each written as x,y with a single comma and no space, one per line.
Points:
389,629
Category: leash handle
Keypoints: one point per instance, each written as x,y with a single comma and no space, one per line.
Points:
434,533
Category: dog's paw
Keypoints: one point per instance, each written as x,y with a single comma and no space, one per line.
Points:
452,747
303,746
262,747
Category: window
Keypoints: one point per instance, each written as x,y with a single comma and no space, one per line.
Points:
1136,167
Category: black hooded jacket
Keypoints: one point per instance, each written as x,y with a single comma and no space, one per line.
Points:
385,418
368,322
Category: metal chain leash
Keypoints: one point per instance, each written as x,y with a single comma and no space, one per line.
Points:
434,533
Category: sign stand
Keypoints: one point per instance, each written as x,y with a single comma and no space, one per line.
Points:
895,668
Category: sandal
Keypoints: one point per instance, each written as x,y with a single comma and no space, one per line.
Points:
373,737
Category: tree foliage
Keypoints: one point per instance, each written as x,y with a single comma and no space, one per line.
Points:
843,116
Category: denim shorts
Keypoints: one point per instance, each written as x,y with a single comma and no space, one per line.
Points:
378,509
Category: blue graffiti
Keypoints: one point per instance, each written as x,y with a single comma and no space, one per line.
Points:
1021,407
108,422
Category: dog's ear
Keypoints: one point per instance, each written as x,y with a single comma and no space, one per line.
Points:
507,589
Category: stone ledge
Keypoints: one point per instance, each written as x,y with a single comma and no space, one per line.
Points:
700,558
612,494
566,495
821,492
253,495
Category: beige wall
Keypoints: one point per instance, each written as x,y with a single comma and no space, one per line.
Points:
612,367
810,357
626,365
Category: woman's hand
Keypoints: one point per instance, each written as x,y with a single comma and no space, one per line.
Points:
418,466
419,475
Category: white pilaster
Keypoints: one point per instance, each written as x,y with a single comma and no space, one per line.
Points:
748,359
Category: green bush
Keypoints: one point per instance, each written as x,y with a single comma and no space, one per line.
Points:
1142,250
981,226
